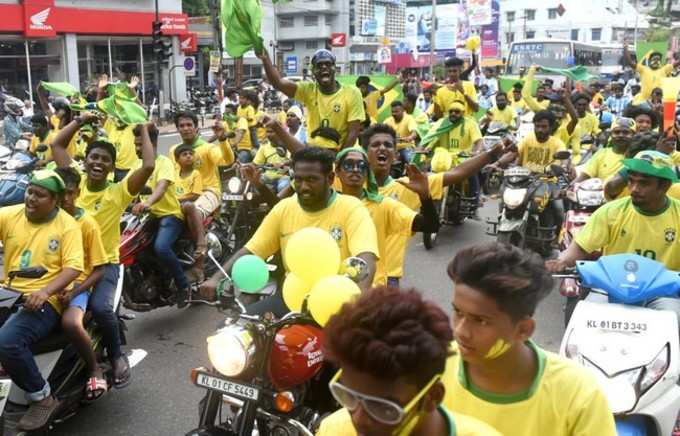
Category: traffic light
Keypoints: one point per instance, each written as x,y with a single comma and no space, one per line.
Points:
162,47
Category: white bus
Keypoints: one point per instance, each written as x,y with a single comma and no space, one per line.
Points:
612,59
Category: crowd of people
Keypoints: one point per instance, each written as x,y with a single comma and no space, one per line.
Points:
328,160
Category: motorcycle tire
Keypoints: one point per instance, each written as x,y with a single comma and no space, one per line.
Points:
509,239
429,240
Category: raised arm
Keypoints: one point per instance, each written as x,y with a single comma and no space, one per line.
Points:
390,86
627,59
285,138
353,130
137,180
571,110
473,165
526,90
42,99
63,138
286,86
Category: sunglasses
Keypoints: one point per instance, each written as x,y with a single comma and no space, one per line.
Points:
382,410
349,165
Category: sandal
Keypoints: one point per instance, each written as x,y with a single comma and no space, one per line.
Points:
38,415
121,372
95,388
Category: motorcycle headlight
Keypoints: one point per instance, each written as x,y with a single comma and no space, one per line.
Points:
655,369
231,350
513,198
14,164
590,198
234,185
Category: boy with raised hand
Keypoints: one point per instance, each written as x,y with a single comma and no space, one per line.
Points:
106,202
391,346
498,374
75,300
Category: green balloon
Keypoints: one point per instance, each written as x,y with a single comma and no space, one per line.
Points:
250,273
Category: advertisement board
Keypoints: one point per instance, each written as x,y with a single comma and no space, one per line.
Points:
450,26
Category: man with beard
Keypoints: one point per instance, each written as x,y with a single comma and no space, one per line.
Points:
329,104
651,74
502,112
455,90
406,128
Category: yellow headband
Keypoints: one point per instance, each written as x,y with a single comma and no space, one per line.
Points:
457,105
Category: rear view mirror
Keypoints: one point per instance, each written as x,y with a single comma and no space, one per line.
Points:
562,155
355,268
41,148
34,272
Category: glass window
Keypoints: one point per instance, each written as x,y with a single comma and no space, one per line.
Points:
552,13
311,20
530,34
312,45
45,65
530,14
547,54
510,37
286,21
596,34
574,34
510,16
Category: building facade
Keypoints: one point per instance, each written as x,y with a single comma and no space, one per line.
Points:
77,40
374,23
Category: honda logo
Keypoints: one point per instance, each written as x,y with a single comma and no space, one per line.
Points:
38,20
338,39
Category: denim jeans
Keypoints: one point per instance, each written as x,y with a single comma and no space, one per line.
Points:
103,312
169,230
22,330
244,156
474,186
277,185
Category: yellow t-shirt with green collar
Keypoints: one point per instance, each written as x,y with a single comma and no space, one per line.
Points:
248,113
54,245
191,184
267,154
620,227
604,164
168,204
335,110
650,79
563,400
589,124
207,160
397,244
345,218
340,424
404,128
124,141
445,96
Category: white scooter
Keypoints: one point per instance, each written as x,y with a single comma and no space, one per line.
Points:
58,361
631,350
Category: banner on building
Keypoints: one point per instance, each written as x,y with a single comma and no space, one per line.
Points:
384,55
450,26
215,60
490,34
479,12
380,13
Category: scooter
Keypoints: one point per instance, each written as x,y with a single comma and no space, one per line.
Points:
632,351
58,361
15,174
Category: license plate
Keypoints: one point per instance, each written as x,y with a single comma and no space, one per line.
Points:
5,386
228,387
232,197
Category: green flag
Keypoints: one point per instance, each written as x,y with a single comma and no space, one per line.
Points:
441,127
241,22
422,122
123,109
576,74
60,88
379,82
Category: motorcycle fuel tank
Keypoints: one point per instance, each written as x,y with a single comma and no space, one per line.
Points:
296,355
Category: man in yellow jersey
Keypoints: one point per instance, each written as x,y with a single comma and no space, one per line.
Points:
37,234
207,158
404,397
106,202
455,90
405,126
164,206
120,135
379,141
273,155
498,374
608,161
371,98
538,103
501,112
651,75
316,204
42,135
238,130
247,111
329,104
517,102
391,218
646,222
588,123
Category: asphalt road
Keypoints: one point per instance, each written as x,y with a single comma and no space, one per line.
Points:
162,401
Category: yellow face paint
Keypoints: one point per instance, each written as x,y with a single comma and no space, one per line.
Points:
498,349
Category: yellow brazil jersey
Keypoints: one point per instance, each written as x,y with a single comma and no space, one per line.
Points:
396,245
47,154
650,79
445,96
462,137
506,115
261,131
106,207
518,106
563,400
675,158
589,124
246,142
267,154
168,204
674,191
535,155
207,158
55,245
54,121
598,99
620,227
93,247
392,219
340,424
404,128
247,112
604,164
335,110
371,101
345,218
191,184
124,141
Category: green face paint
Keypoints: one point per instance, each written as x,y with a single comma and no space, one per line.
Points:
498,349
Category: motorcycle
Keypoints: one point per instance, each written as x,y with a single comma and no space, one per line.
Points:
269,373
632,351
16,168
584,199
522,221
491,178
58,362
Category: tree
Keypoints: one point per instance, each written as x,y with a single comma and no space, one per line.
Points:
195,8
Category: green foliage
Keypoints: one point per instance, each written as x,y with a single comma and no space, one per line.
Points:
196,8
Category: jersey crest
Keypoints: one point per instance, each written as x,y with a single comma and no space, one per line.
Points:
669,235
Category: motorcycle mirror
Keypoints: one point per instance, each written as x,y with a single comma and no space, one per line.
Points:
41,148
556,169
281,151
34,272
355,268
146,191
587,140
562,155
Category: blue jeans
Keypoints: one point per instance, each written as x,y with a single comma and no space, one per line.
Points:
103,312
22,330
244,156
474,186
278,185
169,230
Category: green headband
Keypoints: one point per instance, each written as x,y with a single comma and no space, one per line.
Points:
371,191
652,163
49,180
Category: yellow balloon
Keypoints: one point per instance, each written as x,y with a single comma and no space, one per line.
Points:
473,43
441,160
328,296
294,292
312,253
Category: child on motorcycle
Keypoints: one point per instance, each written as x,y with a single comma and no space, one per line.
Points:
391,347
75,300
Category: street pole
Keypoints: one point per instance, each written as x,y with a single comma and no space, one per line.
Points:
159,79
28,71
432,38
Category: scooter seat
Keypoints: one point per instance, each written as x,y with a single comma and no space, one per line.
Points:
55,341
